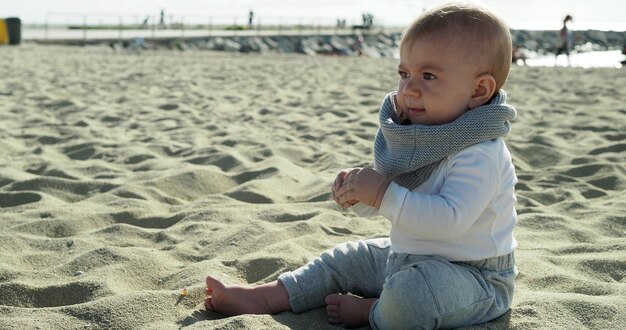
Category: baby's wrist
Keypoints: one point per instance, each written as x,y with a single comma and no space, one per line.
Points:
381,193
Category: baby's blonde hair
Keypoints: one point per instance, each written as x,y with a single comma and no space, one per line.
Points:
483,34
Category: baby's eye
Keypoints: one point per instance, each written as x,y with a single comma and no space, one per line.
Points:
403,74
429,76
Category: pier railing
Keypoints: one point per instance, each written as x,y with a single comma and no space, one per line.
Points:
67,25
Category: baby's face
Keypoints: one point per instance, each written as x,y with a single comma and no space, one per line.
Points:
436,81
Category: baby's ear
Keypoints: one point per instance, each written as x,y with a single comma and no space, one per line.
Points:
484,88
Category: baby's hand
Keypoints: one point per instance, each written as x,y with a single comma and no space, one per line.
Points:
339,182
364,185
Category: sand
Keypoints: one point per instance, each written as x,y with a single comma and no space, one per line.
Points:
127,177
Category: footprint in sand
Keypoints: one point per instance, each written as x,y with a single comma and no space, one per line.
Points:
257,269
168,107
615,148
18,199
26,296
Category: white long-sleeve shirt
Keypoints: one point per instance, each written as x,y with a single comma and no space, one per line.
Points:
464,211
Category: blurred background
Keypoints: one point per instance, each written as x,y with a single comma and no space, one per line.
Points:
599,25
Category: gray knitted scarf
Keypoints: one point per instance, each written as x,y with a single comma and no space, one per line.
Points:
408,154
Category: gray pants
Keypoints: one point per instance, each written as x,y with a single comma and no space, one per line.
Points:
413,291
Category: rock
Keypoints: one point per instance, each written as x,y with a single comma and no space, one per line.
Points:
231,46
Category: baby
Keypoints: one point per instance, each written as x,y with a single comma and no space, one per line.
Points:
444,179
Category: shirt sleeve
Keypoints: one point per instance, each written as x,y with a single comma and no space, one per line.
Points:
364,210
470,183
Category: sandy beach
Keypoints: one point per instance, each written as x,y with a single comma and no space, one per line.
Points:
128,177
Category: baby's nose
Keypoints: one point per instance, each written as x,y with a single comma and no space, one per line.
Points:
411,89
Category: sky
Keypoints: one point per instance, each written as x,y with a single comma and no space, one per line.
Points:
520,14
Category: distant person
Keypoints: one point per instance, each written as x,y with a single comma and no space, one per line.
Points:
519,54
368,20
250,19
565,40
162,18
358,45
444,179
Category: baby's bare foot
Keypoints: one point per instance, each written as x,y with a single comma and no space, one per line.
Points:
270,298
349,311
